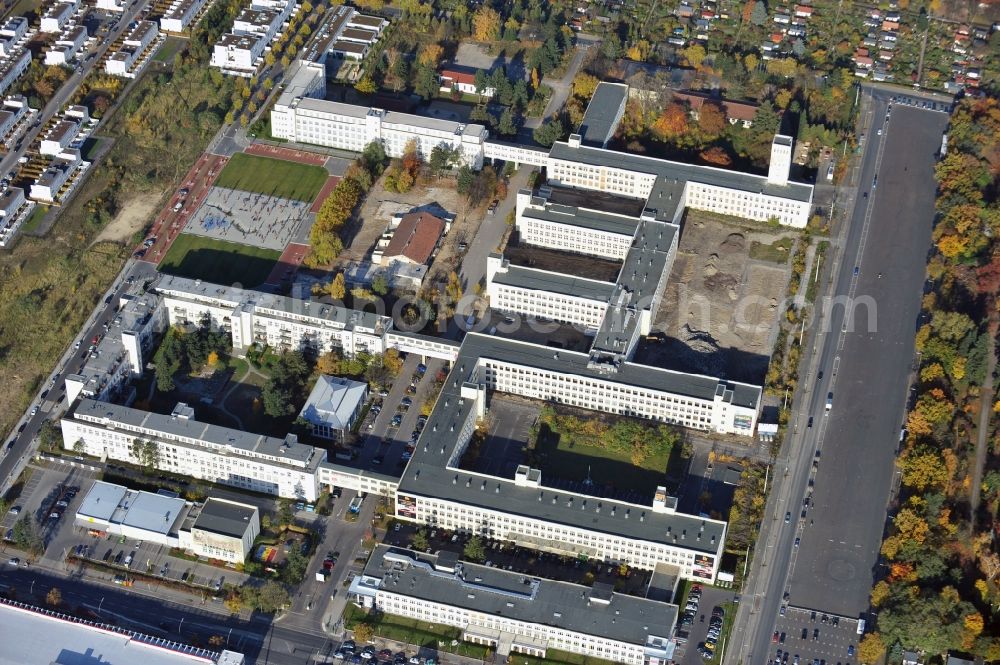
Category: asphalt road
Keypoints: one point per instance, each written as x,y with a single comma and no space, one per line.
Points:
867,369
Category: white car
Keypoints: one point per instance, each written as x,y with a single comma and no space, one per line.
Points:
34,410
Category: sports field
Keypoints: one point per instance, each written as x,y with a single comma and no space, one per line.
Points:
274,177
200,257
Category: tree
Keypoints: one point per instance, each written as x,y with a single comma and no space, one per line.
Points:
711,119
146,453
425,81
871,649
486,24
750,61
474,550
879,593
26,537
584,85
758,13
392,361
363,632
54,597
419,540
444,157
272,596
549,132
716,156
507,126
337,287
380,285
329,363
431,55
296,564
672,122
365,85
694,54
50,436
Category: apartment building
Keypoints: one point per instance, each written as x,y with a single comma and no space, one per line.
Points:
12,67
14,30
58,15
280,467
241,51
15,109
59,137
14,209
122,353
123,61
180,14
348,35
48,187
63,51
277,321
514,613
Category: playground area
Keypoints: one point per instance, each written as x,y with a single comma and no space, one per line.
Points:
249,218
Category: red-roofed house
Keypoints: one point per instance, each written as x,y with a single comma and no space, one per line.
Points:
803,11
461,80
412,241
741,113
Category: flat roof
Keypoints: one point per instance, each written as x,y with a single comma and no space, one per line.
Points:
491,591
581,217
338,108
669,171
365,19
428,475
314,310
155,513
32,636
101,501
601,118
277,451
345,46
359,35
533,279
225,518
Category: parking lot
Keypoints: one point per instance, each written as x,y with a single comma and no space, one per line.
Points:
387,435
707,630
814,638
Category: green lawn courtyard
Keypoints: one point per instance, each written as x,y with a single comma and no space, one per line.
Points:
199,257
273,177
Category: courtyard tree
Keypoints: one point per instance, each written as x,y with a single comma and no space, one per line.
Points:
418,540
54,597
363,632
474,550
146,453
286,385
26,536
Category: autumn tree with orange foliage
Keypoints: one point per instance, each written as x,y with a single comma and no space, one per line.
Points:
672,122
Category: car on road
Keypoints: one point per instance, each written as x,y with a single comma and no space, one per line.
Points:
34,410
13,562
15,510
798,541
850,650
788,518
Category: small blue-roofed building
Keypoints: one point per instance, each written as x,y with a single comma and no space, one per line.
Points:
334,405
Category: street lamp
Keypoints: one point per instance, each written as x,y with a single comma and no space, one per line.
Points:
180,625
100,605
228,636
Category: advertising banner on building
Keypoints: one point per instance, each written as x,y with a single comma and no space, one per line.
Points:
406,506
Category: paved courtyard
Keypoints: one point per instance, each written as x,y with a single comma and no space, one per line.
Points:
250,219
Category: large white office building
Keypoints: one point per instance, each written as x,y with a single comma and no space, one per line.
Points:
306,119
255,317
281,467
514,613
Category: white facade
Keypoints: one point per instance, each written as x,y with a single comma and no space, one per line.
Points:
58,15
14,110
283,468
11,68
224,530
535,616
111,5
122,62
60,172
238,54
564,233
59,137
573,308
179,15
14,209
64,49
285,323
